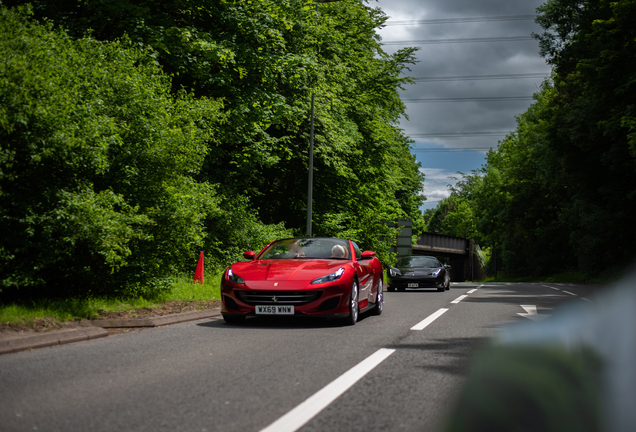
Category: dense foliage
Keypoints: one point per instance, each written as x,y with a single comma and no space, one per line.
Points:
98,163
560,190
135,133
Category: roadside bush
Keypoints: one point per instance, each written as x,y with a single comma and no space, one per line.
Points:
237,228
97,165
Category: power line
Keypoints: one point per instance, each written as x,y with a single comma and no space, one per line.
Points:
470,99
461,20
464,40
452,150
482,77
465,77
459,134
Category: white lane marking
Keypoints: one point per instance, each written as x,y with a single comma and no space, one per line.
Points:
472,291
423,324
296,418
531,313
568,292
556,289
458,299
530,309
587,300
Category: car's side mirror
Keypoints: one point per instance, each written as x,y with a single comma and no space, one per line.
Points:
368,254
249,255
447,266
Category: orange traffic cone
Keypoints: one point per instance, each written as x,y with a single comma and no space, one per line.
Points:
198,274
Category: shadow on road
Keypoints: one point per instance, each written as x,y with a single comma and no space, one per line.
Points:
417,290
449,356
262,322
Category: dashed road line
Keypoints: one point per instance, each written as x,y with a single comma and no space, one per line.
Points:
458,299
568,292
427,321
424,323
299,416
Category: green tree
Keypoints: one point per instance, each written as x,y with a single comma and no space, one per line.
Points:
561,186
453,216
516,210
590,123
264,59
98,164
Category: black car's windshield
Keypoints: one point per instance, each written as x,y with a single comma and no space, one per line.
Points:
326,248
418,261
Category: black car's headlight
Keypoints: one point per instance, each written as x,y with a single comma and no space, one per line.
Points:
234,278
393,272
436,272
329,278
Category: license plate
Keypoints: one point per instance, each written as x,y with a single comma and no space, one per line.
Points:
274,310
413,285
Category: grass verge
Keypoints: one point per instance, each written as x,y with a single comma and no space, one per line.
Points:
25,314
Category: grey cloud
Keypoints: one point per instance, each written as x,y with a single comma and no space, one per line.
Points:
466,59
463,59
406,9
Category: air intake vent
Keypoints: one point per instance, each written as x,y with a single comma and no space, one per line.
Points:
230,304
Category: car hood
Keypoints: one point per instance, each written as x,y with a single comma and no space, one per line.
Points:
281,270
417,271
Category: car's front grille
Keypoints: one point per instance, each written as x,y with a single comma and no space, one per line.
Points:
296,298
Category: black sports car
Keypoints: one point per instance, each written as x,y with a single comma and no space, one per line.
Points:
419,272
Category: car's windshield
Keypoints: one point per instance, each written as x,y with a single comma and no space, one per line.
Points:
307,248
421,261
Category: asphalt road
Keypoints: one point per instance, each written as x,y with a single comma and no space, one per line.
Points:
207,375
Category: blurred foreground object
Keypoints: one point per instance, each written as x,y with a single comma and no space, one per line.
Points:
575,371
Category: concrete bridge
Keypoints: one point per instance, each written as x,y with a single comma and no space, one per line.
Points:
456,251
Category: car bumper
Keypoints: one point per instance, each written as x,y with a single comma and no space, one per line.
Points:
421,283
323,301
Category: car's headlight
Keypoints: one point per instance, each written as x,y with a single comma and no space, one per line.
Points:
234,278
393,272
329,278
436,272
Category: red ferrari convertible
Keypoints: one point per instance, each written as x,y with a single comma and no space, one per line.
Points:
314,277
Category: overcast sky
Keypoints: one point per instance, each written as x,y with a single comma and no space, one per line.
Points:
463,59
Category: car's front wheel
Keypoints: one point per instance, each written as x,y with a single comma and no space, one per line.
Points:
379,300
354,309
